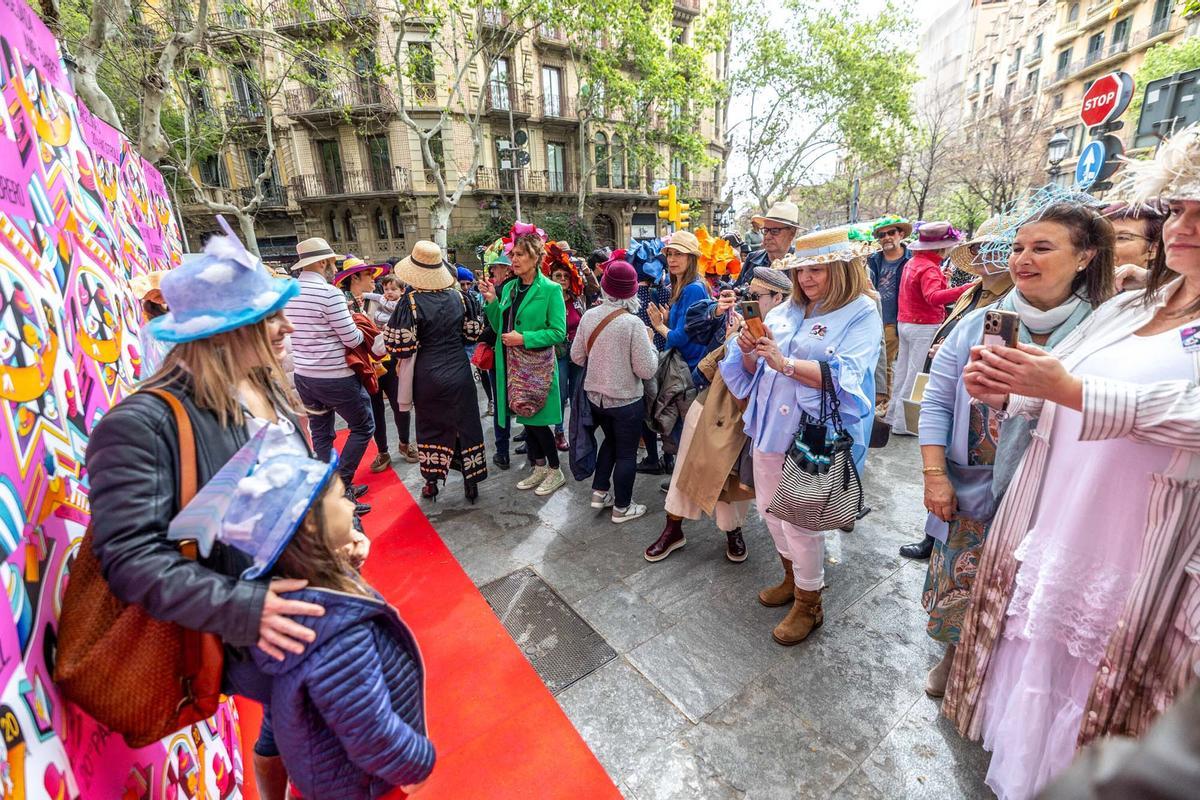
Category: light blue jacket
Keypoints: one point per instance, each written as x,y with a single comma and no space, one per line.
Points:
849,339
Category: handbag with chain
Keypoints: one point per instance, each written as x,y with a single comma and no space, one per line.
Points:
142,677
820,487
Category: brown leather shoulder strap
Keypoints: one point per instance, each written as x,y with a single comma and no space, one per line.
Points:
603,324
187,445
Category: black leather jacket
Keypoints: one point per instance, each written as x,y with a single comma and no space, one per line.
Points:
132,463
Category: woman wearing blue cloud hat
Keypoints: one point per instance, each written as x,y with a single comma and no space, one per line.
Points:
228,329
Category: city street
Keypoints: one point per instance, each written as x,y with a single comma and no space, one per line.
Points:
699,702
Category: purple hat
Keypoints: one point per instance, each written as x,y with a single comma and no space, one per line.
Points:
620,280
936,236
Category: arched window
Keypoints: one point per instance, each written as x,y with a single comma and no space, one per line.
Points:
397,228
601,161
634,177
618,162
331,220
348,223
381,226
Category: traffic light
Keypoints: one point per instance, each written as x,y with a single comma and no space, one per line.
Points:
682,215
667,203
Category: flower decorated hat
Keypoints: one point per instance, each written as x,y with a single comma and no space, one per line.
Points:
558,258
646,257
717,256
830,246
1173,173
226,288
892,220
254,503
495,253
520,229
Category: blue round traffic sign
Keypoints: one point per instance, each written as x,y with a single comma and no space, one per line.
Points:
1091,162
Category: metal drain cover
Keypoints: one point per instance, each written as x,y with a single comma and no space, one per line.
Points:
561,647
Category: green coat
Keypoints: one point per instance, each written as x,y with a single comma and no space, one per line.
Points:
542,320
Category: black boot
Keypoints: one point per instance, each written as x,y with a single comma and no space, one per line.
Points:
471,490
918,551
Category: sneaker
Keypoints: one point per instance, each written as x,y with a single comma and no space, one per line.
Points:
410,453
381,462
665,487
633,511
491,411
602,499
534,478
735,546
560,441
553,481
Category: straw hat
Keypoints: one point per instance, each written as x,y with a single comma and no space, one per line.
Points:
988,232
783,212
821,247
684,242
423,268
354,265
144,285
312,251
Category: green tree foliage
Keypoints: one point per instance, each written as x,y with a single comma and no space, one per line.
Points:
1162,61
818,83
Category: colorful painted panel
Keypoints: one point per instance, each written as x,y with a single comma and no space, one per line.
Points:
80,214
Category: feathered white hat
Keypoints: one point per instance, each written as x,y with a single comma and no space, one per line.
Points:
1173,173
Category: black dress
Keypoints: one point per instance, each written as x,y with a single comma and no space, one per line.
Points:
433,328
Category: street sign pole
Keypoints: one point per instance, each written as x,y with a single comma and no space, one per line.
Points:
512,143
1103,102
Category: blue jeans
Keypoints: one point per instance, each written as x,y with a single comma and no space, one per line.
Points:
350,400
568,377
616,460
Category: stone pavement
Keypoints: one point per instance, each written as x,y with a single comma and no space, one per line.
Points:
700,701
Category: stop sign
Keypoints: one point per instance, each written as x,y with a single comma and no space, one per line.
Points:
1107,99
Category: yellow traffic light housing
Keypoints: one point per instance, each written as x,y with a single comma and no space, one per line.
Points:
667,202
681,215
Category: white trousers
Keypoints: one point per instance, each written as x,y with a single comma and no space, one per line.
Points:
804,548
729,516
915,341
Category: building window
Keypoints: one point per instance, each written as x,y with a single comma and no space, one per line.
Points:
556,162
1162,11
1009,90
1120,35
1057,102
212,171
245,88
552,105
379,163
618,162
601,159
381,226
1037,47
992,75
678,174
1095,48
256,164
331,222
978,81
397,228
1031,82
1073,13
633,173
1016,62
329,161
1064,64
500,88
422,71
348,223
197,92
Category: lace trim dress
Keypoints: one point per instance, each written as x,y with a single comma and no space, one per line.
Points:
1077,564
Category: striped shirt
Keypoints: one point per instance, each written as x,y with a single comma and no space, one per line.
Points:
1149,657
324,329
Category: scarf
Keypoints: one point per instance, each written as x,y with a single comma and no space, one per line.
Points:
1042,322
1016,432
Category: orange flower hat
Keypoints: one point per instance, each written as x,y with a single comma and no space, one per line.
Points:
558,258
717,256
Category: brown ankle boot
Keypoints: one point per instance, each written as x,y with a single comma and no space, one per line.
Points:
805,617
782,594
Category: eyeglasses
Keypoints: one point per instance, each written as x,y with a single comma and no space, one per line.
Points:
1126,238
885,233
758,297
776,231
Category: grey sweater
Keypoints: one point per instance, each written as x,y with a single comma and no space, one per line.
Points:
621,358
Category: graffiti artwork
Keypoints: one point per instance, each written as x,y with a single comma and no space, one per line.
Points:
81,213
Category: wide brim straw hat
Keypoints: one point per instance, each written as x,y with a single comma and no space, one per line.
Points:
830,246
783,212
1173,173
143,285
987,233
424,269
353,266
312,251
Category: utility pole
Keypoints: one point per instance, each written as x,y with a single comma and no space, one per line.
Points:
512,152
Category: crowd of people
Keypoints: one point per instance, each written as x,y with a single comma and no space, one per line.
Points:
1054,398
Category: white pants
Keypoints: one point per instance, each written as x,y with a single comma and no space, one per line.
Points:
804,548
915,341
729,516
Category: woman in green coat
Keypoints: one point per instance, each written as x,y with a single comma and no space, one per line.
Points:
529,312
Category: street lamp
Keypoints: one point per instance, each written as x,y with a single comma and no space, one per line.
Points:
1056,151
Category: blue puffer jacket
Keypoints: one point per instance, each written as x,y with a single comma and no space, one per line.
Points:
349,713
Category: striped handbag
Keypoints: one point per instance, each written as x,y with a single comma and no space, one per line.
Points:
820,488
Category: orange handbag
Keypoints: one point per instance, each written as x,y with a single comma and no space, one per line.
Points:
139,676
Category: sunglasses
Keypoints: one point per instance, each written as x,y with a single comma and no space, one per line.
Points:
886,233
775,231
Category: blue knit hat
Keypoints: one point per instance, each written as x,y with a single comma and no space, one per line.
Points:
226,288
255,502
465,274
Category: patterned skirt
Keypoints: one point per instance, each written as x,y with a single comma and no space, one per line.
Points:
952,568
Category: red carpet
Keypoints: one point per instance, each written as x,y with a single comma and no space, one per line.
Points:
498,731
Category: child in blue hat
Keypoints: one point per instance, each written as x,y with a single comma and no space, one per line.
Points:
348,713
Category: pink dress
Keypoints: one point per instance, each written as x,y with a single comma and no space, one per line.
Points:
1077,565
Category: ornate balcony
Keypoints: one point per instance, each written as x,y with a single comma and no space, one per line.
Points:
357,98
348,184
292,19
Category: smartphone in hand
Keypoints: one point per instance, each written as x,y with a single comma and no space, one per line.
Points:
1001,328
753,317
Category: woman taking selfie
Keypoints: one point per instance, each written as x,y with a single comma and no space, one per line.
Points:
531,316
969,456
832,316
227,328
1083,618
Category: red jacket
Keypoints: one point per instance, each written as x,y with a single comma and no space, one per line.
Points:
923,290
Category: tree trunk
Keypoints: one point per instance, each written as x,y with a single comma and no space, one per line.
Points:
439,219
246,221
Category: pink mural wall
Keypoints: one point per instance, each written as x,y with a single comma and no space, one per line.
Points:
81,213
